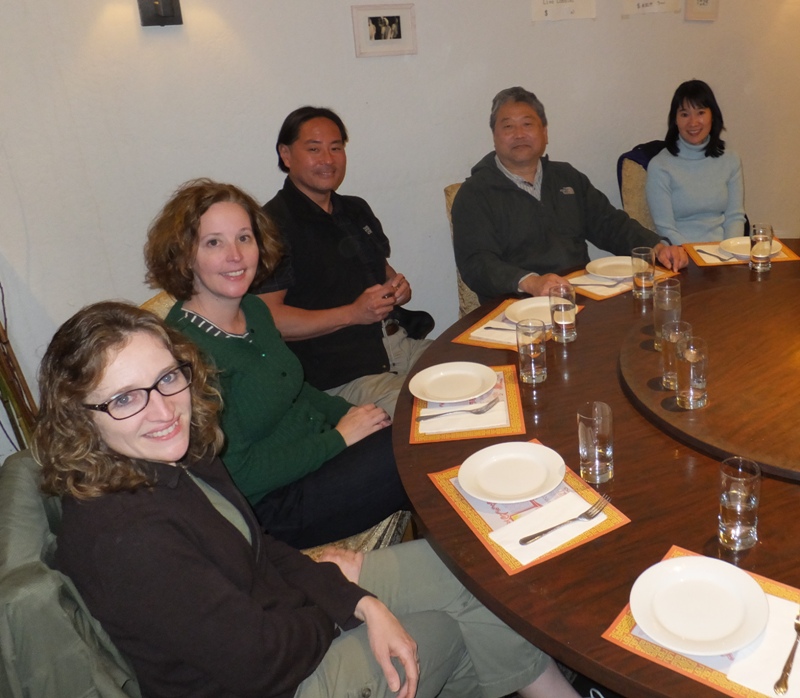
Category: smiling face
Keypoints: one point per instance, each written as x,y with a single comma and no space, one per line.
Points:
520,138
160,432
227,254
694,123
316,161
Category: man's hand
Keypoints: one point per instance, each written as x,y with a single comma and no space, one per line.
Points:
402,289
388,638
359,422
540,285
673,257
348,561
373,305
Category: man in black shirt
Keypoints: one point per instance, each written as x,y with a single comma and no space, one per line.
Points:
335,298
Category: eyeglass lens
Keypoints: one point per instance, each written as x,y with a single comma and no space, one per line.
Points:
134,401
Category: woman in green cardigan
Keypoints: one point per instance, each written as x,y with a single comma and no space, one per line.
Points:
314,467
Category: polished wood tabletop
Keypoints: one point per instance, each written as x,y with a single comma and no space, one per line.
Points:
666,481
754,375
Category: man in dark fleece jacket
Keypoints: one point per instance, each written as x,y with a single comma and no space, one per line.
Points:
520,220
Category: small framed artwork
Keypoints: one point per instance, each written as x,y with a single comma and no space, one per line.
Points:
701,10
384,30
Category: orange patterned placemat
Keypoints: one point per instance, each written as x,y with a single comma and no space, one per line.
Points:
621,632
785,255
513,400
496,314
661,273
477,514
464,337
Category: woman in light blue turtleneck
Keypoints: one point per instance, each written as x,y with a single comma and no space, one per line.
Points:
694,187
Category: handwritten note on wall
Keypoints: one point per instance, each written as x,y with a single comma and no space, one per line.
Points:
638,7
550,10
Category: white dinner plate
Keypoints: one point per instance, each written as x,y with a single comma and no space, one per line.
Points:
537,308
452,382
699,606
740,247
515,471
611,267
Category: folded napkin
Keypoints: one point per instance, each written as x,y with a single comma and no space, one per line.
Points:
759,665
495,417
560,509
600,286
714,248
506,335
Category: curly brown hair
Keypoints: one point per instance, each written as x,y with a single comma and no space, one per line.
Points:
75,461
172,237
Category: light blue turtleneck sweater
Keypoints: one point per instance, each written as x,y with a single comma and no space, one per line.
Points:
694,198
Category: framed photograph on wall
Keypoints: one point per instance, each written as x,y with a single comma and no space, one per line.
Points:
384,30
701,10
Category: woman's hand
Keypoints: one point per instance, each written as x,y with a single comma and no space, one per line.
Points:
348,561
359,422
388,638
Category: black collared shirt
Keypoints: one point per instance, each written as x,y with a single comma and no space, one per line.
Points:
331,258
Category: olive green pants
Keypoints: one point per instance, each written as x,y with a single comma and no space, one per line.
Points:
464,650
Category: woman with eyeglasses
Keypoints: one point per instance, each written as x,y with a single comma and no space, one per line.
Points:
314,467
169,557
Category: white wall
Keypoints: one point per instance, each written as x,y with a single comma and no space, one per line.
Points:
100,119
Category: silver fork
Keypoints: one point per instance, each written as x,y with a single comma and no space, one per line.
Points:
616,283
477,410
587,515
782,684
715,256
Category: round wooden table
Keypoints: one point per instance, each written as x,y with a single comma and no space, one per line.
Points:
665,478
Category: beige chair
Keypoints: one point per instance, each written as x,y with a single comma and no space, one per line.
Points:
632,179
387,532
467,300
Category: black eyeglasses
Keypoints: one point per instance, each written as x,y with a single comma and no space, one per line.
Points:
132,402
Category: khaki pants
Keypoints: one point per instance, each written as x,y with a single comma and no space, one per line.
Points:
464,650
383,388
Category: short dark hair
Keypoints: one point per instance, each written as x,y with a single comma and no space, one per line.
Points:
516,94
696,93
290,130
172,238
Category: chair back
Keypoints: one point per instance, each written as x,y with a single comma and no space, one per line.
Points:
50,645
160,304
632,179
467,299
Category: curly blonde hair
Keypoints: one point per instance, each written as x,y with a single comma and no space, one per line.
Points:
172,238
75,461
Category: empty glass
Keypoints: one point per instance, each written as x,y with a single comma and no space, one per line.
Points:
596,442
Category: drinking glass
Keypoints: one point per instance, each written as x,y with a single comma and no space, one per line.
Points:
740,487
562,312
596,442
761,235
666,305
692,355
531,347
671,334
643,263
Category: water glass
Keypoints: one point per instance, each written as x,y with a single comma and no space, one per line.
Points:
761,235
739,491
671,334
666,305
596,442
562,312
692,355
643,263
531,347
